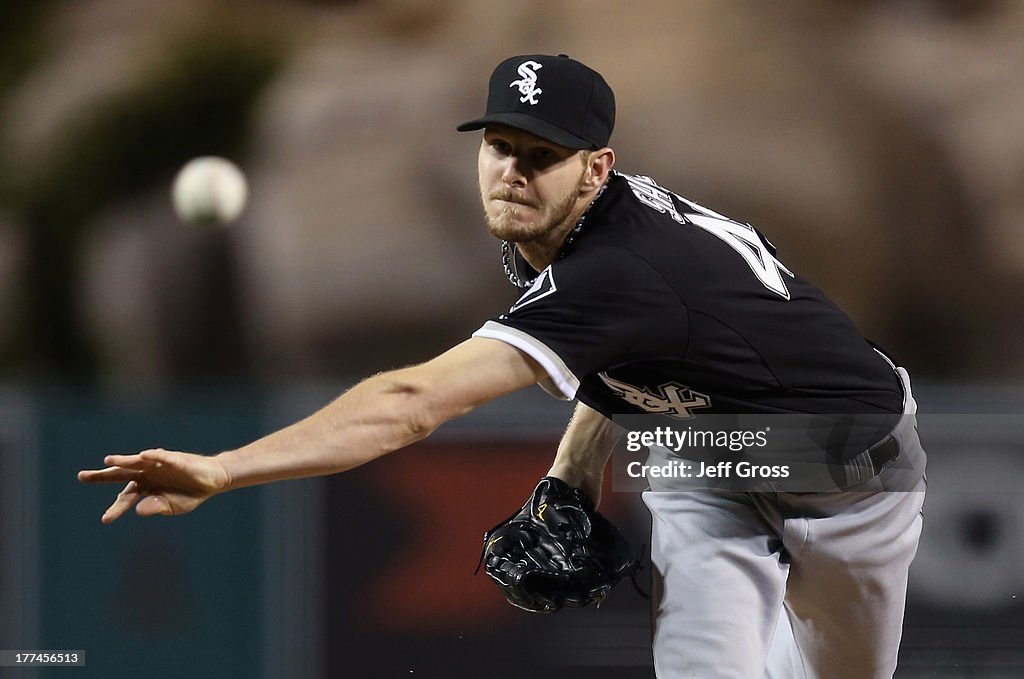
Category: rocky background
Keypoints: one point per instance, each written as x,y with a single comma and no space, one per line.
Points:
878,143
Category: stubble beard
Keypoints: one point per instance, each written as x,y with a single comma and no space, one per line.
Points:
505,225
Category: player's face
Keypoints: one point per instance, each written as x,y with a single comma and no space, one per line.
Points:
529,186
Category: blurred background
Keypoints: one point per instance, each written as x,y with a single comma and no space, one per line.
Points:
878,143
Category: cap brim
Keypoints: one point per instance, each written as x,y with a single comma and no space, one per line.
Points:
534,126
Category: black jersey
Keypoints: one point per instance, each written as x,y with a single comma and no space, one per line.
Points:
660,305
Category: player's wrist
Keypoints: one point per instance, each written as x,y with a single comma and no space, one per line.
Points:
587,481
566,474
229,465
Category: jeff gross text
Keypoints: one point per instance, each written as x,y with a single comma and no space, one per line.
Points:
677,469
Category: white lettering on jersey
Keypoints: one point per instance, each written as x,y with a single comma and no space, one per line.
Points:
653,196
527,82
740,237
541,288
671,398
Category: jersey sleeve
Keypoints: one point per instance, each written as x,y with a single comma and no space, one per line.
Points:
590,312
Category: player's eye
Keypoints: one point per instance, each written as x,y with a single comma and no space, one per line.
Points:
501,147
544,156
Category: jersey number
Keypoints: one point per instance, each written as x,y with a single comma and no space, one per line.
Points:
742,238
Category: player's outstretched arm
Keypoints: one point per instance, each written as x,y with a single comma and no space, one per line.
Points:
584,450
379,415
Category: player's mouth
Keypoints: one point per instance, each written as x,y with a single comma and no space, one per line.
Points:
513,199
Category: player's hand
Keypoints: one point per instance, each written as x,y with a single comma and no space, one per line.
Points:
159,482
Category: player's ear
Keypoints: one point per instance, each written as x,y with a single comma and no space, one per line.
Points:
599,164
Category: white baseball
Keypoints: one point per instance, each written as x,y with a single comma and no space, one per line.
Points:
209,190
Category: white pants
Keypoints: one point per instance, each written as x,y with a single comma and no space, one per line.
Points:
784,585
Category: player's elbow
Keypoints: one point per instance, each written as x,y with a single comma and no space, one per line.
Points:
421,420
417,406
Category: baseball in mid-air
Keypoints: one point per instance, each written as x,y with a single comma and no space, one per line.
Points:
209,190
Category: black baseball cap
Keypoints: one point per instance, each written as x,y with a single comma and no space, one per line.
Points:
553,97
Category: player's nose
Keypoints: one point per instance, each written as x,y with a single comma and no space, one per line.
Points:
512,173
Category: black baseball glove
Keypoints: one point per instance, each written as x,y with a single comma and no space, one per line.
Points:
556,551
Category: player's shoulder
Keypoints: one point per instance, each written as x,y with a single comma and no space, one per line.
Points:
641,197
652,223
697,249
599,262
645,212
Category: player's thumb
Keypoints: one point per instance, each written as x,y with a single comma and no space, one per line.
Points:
153,505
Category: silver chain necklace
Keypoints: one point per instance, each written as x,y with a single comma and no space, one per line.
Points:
508,260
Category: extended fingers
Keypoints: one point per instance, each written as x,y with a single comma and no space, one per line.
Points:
123,467
125,499
159,455
136,461
158,482
108,475
145,505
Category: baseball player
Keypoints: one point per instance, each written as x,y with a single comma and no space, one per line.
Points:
638,300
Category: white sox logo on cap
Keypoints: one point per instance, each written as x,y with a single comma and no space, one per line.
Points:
578,109
527,82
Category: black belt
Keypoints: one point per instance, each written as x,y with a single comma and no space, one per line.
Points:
872,461
883,453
